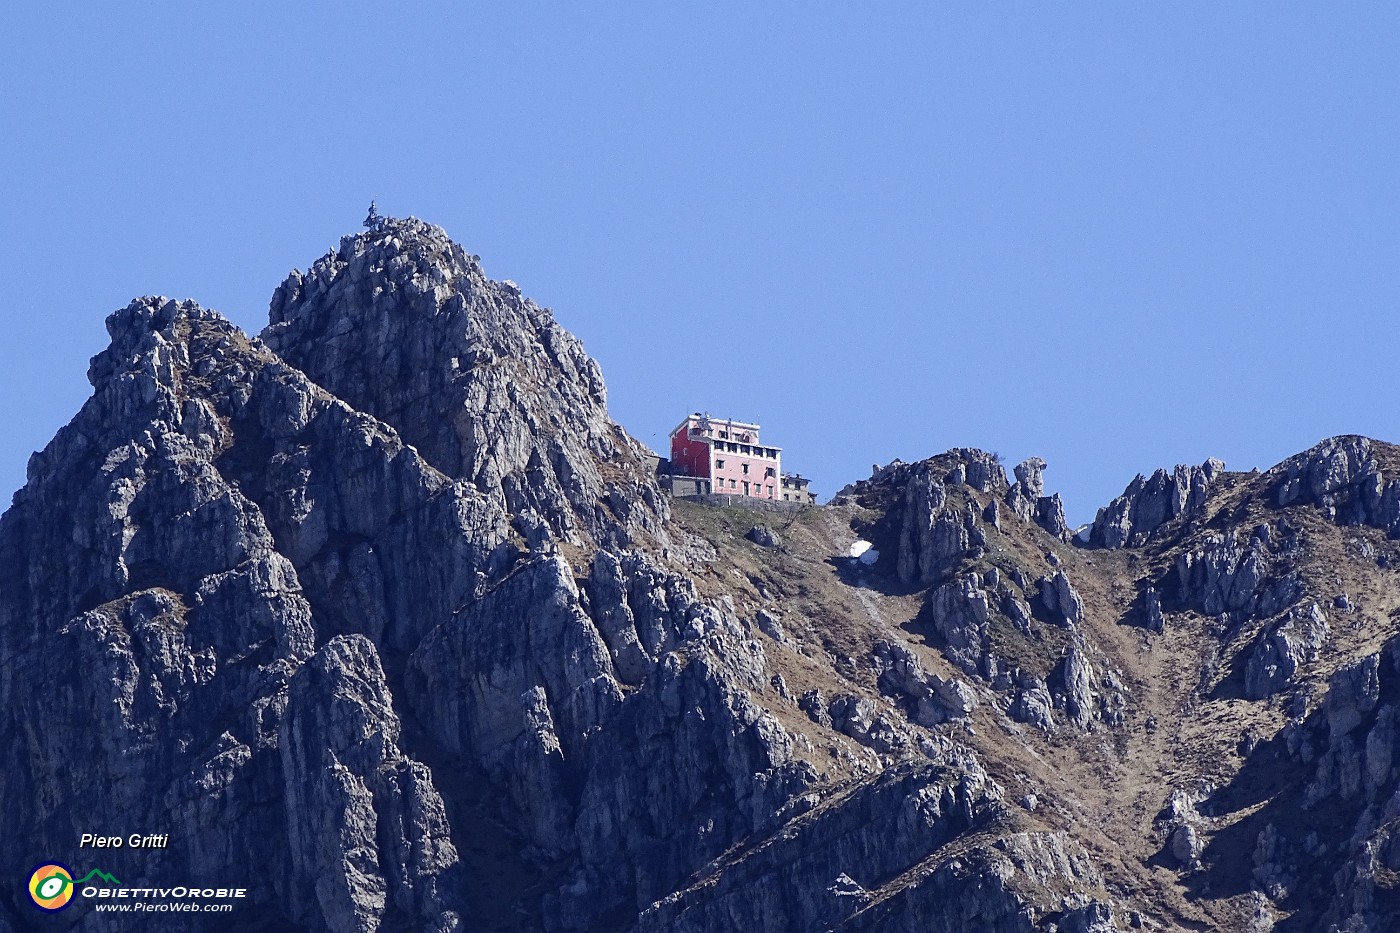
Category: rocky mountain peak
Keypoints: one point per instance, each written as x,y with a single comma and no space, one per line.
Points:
150,335
382,617
402,323
1356,480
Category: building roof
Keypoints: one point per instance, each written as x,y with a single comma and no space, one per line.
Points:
728,423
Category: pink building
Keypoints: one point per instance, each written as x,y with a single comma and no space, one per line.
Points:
729,454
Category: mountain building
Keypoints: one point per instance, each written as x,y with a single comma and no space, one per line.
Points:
729,454
795,489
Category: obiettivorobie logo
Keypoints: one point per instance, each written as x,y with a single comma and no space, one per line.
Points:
51,885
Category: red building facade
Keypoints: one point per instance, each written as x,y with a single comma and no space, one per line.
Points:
729,454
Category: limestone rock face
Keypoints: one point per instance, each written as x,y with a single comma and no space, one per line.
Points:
1029,478
1282,649
1026,498
402,324
382,618
1059,600
935,530
236,587
362,819
764,536
960,610
935,699
885,829
1344,476
1223,574
1149,503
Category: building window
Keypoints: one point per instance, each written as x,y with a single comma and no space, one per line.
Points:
719,464
724,434
732,484
768,472
746,468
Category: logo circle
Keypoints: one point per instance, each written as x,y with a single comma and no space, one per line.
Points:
51,886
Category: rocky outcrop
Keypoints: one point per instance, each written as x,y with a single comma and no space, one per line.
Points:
1077,683
1033,703
1152,616
990,886
981,622
959,611
1276,655
764,536
980,607
1151,502
641,610
933,511
1223,574
1337,846
1026,498
935,532
148,617
515,682
718,767
1056,597
1344,477
938,511
933,699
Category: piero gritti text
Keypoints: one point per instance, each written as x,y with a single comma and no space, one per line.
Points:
134,841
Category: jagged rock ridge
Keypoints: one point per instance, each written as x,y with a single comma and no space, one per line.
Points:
381,616
214,526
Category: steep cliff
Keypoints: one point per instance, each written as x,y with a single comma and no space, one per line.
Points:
380,617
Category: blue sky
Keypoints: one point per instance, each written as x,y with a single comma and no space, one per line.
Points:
1117,236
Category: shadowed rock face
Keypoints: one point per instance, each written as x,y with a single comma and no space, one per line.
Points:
381,617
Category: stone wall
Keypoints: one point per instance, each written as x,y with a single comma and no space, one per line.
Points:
746,502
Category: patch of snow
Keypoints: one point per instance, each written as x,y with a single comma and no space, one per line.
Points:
860,547
1082,535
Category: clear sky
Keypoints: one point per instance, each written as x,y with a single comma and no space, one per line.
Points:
1117,236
